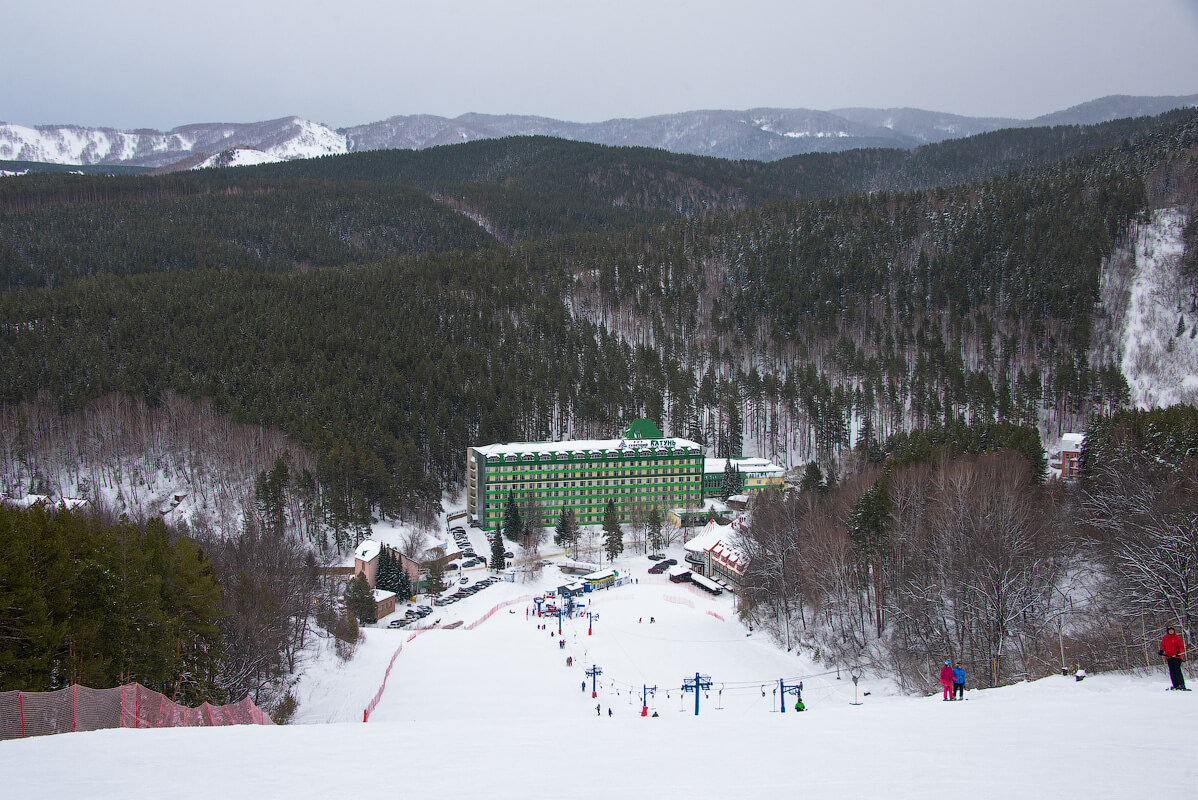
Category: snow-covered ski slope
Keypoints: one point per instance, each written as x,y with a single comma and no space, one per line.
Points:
495,712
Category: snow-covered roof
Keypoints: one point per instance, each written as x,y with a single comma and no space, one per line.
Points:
1072,441
381,594
368,550
576,445
730,555
579,565
28,500
599,576
746,466
738,498
708,536
710,505
677,570
72,503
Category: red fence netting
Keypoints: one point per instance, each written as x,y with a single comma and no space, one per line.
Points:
366,712
78,708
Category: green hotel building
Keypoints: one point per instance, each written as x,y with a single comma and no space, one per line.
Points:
641,470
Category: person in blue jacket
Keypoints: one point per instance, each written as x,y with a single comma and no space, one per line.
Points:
958,682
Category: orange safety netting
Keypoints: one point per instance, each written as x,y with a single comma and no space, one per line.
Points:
78,708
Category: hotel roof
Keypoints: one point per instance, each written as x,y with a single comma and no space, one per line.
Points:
589,445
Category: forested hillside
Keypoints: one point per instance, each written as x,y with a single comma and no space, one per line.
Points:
355,303
955,546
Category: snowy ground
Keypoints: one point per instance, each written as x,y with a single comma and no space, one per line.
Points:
1160,363
495,712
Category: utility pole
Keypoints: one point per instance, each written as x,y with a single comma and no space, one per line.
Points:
594,672
793,688
697,684
590,621
645,692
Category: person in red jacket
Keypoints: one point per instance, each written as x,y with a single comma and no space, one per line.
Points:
1174,651
946,679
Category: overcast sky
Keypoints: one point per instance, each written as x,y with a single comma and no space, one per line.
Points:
127,64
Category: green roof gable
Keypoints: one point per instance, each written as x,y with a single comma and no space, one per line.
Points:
642,429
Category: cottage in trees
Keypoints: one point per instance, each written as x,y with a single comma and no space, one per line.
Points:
1071,451
367,560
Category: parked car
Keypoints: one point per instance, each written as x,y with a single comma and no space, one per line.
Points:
658,568
656,556
397,623
508,554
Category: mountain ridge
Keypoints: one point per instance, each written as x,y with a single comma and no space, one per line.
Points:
757,134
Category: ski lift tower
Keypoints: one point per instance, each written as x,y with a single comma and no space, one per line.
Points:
645,692
696,684
594,672
790,688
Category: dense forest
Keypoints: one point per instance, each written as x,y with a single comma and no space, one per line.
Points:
901,323
384,329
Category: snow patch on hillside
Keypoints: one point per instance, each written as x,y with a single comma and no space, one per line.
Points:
68,144
238,157
1161,364
311,140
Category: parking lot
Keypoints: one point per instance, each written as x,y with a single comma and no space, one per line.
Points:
469,557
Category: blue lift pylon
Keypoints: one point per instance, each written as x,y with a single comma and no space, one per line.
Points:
696,684
790,688
645,692
594,672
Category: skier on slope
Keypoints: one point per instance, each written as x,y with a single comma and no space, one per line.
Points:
958,682
946,679
1174,651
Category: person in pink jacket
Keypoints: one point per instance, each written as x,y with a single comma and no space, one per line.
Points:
946,679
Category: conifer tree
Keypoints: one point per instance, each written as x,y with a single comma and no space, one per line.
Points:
561,531
733,481
565,534
403,585
436,577
498,561
359,599
385,577
512,525
613,534
655,539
